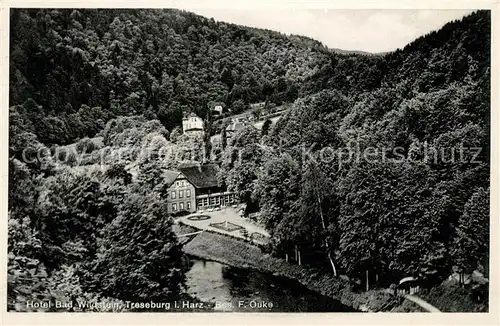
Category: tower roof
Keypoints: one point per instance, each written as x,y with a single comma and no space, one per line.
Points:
201,176
191,115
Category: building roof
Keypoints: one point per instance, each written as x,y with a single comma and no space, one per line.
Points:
191,115
170,176
407,279
259,104
201,176
194,129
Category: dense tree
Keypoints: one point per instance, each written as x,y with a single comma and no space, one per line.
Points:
171,116
139,258
471,242
400,210
142,62
238,106
241,161
26,275
276,188
265,127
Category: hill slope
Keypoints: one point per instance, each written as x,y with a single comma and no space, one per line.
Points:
381,170
89,226
156,62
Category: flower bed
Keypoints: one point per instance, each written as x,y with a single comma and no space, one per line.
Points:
198,217
226,226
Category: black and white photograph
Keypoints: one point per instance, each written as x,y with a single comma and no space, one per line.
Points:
239,160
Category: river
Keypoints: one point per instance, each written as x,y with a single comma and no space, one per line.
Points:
234,289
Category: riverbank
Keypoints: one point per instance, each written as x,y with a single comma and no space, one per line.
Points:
235,252
451,297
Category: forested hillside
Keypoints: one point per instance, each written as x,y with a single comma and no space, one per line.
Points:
89,225
86,221
403,209
163,62
153,62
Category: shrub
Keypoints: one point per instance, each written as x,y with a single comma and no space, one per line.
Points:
86,145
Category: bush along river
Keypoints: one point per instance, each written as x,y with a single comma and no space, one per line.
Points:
225,288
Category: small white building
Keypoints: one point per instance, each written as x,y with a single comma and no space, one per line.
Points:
218,108
257,105
193,125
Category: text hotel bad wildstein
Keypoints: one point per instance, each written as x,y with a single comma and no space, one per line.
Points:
81,305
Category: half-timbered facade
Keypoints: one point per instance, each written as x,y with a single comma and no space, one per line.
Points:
195,188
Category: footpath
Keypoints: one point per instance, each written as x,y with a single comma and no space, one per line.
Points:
422,303
419,301
232,217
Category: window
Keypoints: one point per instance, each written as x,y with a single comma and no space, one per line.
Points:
188,205
181,206
174,207
181,193
188,193
173,194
